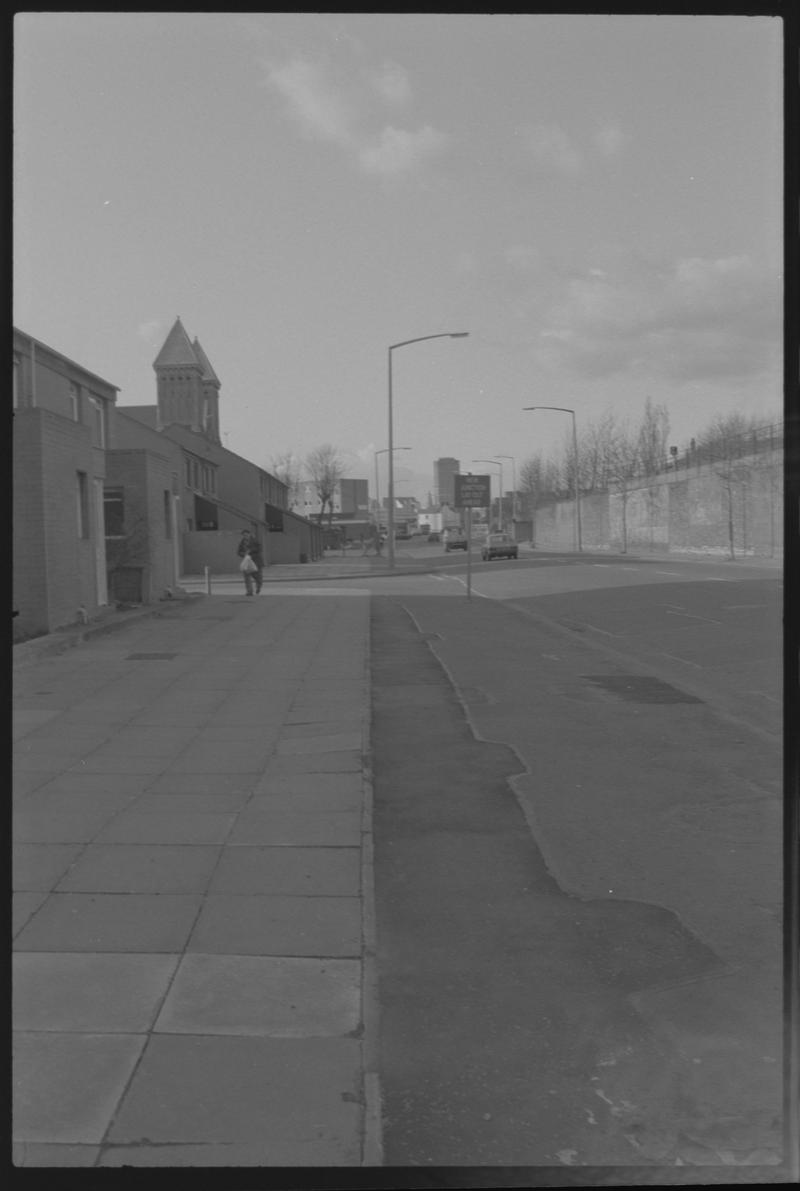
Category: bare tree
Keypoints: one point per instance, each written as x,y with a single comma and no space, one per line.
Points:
594,444
653,437
725,441
622,461
326,466
286,468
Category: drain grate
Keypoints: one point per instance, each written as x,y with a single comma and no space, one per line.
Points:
150,657
636,688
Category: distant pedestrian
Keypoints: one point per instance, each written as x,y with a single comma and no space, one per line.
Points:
249,547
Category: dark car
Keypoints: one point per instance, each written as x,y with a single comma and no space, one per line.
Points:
455,539
499,545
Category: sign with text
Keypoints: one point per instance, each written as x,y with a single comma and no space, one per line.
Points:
472,492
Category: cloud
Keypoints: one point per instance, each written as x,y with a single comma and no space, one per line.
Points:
313,102
523,257
692,319
551,148
610,140
148,330
339,113
396,151
392,84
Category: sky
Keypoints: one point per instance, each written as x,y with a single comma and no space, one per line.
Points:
596,200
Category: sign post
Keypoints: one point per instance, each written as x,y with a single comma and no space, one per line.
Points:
471,492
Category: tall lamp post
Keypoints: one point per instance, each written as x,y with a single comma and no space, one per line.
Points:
390,448
382,451
494,463
514,485
562,410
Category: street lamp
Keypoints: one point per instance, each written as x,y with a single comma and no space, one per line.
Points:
494,463
382,451
390,448
514,485
562,410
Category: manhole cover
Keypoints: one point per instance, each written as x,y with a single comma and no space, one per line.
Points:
150,657
635,688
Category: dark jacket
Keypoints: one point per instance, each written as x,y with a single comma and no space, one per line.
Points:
251,546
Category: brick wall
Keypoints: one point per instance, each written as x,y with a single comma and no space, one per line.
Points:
143,478
45,521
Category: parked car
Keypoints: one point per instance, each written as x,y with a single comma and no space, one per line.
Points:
499,545
455,539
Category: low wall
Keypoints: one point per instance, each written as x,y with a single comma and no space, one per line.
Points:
683,512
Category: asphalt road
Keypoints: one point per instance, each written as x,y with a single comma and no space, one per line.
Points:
577,840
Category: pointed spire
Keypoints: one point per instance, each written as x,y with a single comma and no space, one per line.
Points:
208,372
177,350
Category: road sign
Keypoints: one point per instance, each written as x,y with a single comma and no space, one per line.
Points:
472,492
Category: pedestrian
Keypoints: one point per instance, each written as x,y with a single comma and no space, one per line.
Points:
250,548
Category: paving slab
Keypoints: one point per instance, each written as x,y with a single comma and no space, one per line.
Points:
113,763
315,729
47,1068
153,827
259,825
23,782
204,783
310,783
278,925
106,802
58,827
191,804
140,868
36,1154
72,993
102,783
41,866
23,906
111,922
339,762
260,996
296,872
205,1090
222,757
334,802
238,966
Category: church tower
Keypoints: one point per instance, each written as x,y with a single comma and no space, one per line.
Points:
187,387
210,395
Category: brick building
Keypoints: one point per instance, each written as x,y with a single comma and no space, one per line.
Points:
218,492
113,504
61,418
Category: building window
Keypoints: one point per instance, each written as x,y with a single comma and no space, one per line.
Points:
196,473
167,513
114,512
189,524
74,406
98,422
82,499
188,463
205,514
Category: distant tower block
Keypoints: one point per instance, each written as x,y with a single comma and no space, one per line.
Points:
444,472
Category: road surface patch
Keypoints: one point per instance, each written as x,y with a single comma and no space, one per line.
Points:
641,688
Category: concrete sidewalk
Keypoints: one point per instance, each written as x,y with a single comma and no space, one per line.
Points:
192,862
